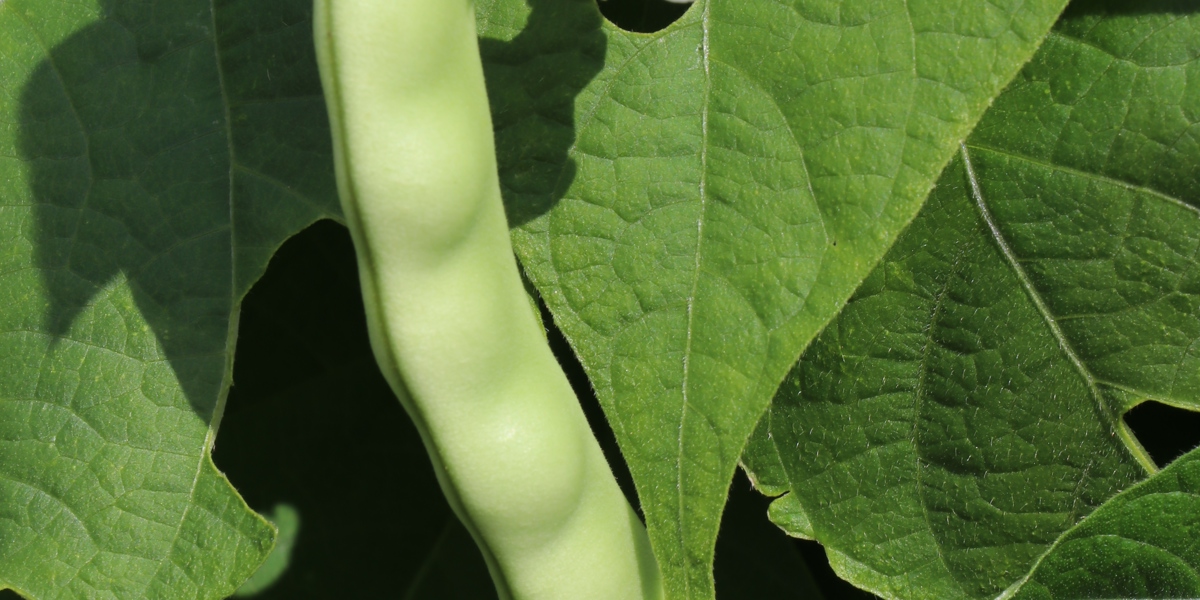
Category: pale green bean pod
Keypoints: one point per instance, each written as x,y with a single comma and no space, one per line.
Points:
450,323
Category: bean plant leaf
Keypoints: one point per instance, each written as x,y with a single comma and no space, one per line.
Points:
143,150
964,410
695,204
1139,544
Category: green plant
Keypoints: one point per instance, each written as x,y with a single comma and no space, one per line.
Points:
973,222
450,322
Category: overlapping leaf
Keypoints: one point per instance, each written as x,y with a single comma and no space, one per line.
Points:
1140,544
137,204
964,410
695,204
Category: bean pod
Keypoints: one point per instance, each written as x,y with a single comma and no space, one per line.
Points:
450,323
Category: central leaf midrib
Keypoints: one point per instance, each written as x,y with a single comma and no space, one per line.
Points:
691,300
234,307
1137,189
1090,380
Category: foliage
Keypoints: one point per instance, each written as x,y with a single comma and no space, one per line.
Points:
1141,543
984,365
694,206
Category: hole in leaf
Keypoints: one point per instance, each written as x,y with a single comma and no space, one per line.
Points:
642,16
1166,432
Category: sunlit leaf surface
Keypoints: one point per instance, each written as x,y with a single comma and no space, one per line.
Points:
696,204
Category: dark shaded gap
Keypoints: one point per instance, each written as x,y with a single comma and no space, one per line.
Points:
591,407
1166,432
756,559
310,422
831,585
642,16
1130,7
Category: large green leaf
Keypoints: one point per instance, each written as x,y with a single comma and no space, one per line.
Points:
964,409
1140,544
142,153
696,204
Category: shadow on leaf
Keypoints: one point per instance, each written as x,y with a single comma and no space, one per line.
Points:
533,81
124,133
